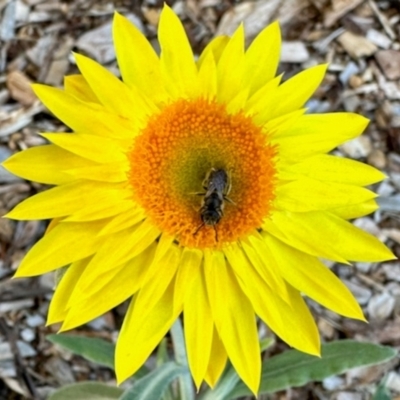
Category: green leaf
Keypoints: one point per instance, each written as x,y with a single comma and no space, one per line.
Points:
154,384
225,385
382,393
294,368
230,378
186,388
93,349
266,343
58,274
163,357
87,391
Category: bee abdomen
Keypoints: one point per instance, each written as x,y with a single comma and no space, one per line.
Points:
212,209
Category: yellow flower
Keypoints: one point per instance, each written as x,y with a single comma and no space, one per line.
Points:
199,187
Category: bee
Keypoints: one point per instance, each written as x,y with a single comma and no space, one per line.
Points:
217,186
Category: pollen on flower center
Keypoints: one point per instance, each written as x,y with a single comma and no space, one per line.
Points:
177,149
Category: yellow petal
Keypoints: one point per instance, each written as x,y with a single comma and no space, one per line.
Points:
307,194
52,224
260,257
105,84
123,221
95,148
138,337
238,102
290,320
291,95
262,57
283,122
262,92
177,62
108,207
140,66
64,106
106,291
77,86
309,276
45,164
58,305
337,169
164,244
69,198
315,134
218,359
302,322
234,319
208,77
216,47
154,289
322,234
115,172
189,267
64,244
92,284
230,67
197,312
356,210
120,247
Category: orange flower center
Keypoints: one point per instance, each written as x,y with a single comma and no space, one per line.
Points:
173,173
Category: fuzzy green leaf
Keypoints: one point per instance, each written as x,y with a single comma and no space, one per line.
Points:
186,388
382,393
154,384
87,391
293,368
230,378
93,349
225,385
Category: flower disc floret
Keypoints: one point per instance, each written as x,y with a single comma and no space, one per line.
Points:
171,158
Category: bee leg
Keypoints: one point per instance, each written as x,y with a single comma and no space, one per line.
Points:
216,233
229,200
229,184
207,178
198,228
197,193
228,188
